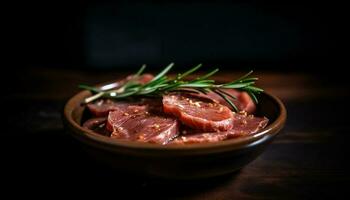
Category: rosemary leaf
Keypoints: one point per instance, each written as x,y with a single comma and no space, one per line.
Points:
162,73
226,99
208,74
181,76
143,67
92,89
161,84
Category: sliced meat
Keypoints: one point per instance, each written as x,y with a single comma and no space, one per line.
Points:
98,125
246,103
198,112
121,115
248,124
204,137
243,101
154,105
145,78
136,123
243,125
102,107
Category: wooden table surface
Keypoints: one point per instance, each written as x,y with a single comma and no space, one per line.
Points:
308,160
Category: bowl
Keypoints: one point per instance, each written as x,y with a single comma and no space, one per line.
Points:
190,161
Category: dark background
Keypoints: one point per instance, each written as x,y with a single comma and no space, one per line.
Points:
277,35
297,49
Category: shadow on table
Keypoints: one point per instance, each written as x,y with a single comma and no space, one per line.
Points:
54,158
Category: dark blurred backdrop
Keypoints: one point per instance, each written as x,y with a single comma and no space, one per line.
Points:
286,35
52,46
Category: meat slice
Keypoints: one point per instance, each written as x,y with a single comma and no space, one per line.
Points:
136,123
143,79
248,124
198,112
102,107
243,101
97,125
243,125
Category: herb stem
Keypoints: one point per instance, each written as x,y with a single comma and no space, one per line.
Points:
161,85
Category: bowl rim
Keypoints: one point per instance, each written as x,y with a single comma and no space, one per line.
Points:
107,143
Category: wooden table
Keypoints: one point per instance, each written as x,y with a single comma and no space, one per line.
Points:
308,160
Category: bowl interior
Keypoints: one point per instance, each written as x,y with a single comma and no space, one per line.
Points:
266,107
75,113
176,161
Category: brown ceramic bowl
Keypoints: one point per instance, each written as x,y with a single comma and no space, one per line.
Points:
176,161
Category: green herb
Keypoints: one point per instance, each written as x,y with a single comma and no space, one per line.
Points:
161,84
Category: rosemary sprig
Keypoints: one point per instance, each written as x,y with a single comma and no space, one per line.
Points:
161,84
